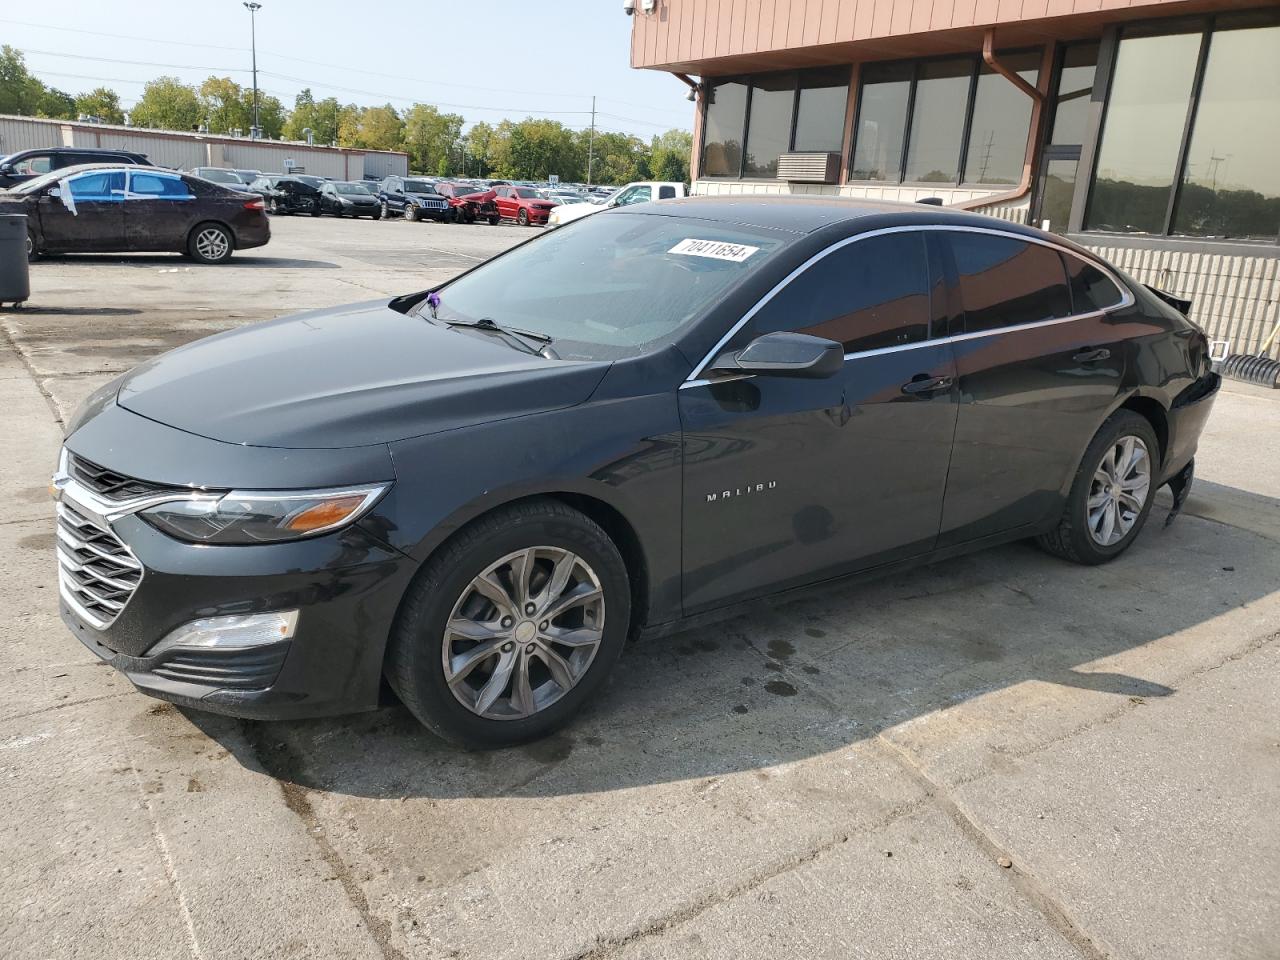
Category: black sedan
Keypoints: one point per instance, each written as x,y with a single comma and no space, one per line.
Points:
481,491
346,199
286,194
97,208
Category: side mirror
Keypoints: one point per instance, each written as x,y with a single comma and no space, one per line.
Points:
6,168
785,355
53,192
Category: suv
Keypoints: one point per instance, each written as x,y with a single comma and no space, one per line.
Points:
26,164
415,198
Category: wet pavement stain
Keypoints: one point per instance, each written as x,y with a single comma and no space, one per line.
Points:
554,749
38,541
748,681
740,708
780,688
810,670
815,632
780,649
775,667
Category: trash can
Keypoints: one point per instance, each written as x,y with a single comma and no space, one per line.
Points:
15,281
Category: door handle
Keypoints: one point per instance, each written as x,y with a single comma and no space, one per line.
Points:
923,384
1092,356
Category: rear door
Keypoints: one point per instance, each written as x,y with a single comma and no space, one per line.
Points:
791,480
158,210
88,215
1037,376
502,199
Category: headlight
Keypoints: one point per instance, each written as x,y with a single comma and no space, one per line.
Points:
244,517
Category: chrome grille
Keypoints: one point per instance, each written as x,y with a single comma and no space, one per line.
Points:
97,573
107,483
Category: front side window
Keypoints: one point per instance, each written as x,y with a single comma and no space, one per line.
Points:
100,186
615,284
1005,281
33,166
633,195
867,295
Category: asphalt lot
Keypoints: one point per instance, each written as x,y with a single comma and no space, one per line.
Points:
840,777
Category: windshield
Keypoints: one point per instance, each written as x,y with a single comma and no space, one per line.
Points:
418,186
310,181
220,176
527,194
613,285
356,188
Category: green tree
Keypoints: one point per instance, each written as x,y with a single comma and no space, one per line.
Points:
669,156
346,122
56,104
617,157
20,92
380,128
168,104
534,149
222,106
478,146
303,116
431,137
271,113
102,103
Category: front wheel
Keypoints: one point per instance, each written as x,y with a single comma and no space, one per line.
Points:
522,217
315,209
1111,494
210,243
494,221
512,626
411,213
385,212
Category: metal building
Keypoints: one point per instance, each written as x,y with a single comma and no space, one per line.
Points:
1147,130
181,150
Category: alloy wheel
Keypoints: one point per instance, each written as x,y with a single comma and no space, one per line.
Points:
523,633
1119,491
212,244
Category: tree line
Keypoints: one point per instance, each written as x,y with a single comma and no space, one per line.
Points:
529,149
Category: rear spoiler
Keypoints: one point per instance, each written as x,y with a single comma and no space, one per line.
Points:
1182,306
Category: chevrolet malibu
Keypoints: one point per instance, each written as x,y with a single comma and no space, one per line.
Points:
480,491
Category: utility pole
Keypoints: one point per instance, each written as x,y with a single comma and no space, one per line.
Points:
253,8
591,141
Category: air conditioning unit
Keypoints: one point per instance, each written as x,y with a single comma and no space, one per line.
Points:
809,167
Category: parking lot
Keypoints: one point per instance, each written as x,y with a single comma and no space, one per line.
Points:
998,756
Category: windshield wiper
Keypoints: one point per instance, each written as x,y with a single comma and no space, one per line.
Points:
530,340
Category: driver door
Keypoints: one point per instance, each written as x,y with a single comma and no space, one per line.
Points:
788,481
87,215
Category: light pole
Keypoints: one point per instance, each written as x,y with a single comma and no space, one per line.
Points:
253,8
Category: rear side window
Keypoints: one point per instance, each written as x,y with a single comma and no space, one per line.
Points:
1090,288
666,193
153,185
1005,281
867,295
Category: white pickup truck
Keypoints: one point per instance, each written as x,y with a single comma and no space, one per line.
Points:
642,191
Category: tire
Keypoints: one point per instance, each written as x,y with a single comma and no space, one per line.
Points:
494,221
444,591
411,213
386,214
272,206
210,243
1084,533
522,217
33,251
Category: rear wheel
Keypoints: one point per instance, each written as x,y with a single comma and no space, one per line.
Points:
210,243
33,252
512,626
1111,494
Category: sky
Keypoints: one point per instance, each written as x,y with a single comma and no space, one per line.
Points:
505,59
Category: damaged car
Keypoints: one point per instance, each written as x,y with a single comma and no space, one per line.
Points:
480,491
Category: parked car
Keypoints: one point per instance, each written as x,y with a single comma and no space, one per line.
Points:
344,199
373,186
248,176
222,175
469,203
99,208
28,164
640,192
480,491
412,198
287,194
523,205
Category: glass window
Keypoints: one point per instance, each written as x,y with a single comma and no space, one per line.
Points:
33,166
820,115
634,195
937,121
722,129
1138,153
1074,94
103,185
1001,119
1090,288
882,121
1005,281
769,125
154,185
1057,185
1231,185
870,294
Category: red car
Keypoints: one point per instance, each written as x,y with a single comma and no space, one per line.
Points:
469,203
523,205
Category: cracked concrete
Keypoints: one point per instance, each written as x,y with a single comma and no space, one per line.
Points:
843,776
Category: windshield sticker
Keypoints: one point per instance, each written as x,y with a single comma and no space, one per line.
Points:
715,249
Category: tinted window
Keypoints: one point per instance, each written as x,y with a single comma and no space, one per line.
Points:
869,294
937,121
107,185
1001,118
726,113
152,185
769,126
1075,90
1004,282
1090,288
33,166
882,122
820,116
666,193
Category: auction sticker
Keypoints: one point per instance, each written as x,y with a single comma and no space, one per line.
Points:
715,249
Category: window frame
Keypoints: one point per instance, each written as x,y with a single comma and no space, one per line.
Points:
1107,55
976,63
749,81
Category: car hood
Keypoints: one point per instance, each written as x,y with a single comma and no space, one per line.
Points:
425,196
349,376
